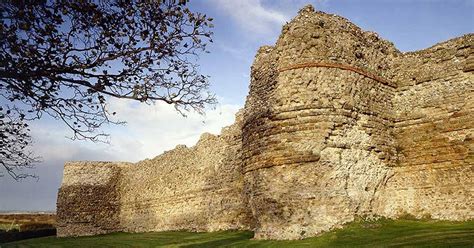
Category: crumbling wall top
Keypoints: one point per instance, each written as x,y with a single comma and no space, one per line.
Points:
314,36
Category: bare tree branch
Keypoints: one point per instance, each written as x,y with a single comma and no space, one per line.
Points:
66,59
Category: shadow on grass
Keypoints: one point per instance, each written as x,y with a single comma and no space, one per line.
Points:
380,233
237,237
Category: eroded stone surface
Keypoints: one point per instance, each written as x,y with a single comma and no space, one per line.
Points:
337,124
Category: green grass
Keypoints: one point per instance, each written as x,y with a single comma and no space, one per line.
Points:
381,233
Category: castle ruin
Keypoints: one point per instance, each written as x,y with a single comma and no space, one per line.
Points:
338,124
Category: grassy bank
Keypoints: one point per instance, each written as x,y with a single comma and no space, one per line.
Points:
381,233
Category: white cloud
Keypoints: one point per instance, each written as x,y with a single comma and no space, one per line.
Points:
149,131
152,129
252,15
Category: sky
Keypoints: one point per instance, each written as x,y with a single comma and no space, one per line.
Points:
241,27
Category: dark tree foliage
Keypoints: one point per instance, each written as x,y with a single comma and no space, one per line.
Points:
66,59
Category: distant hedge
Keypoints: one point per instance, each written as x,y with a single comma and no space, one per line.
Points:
15,235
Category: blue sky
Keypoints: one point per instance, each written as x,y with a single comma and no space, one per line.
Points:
241,27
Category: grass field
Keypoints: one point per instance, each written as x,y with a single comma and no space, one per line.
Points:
381,233
18,226
28,217
26,221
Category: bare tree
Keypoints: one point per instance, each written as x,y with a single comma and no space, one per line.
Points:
14,139
66,59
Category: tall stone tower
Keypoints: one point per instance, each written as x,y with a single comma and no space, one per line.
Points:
335,114
317,137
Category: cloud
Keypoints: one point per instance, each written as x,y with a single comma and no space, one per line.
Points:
252,15
150,130
153,129
241,54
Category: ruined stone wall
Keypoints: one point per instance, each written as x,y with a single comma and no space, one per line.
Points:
198,188
337,124
89,199
434,129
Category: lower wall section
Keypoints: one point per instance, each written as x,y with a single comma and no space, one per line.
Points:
444,191
435,147
315,158
198,188
89,199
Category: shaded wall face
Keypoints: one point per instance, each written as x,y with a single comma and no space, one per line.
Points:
89,199
317,149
